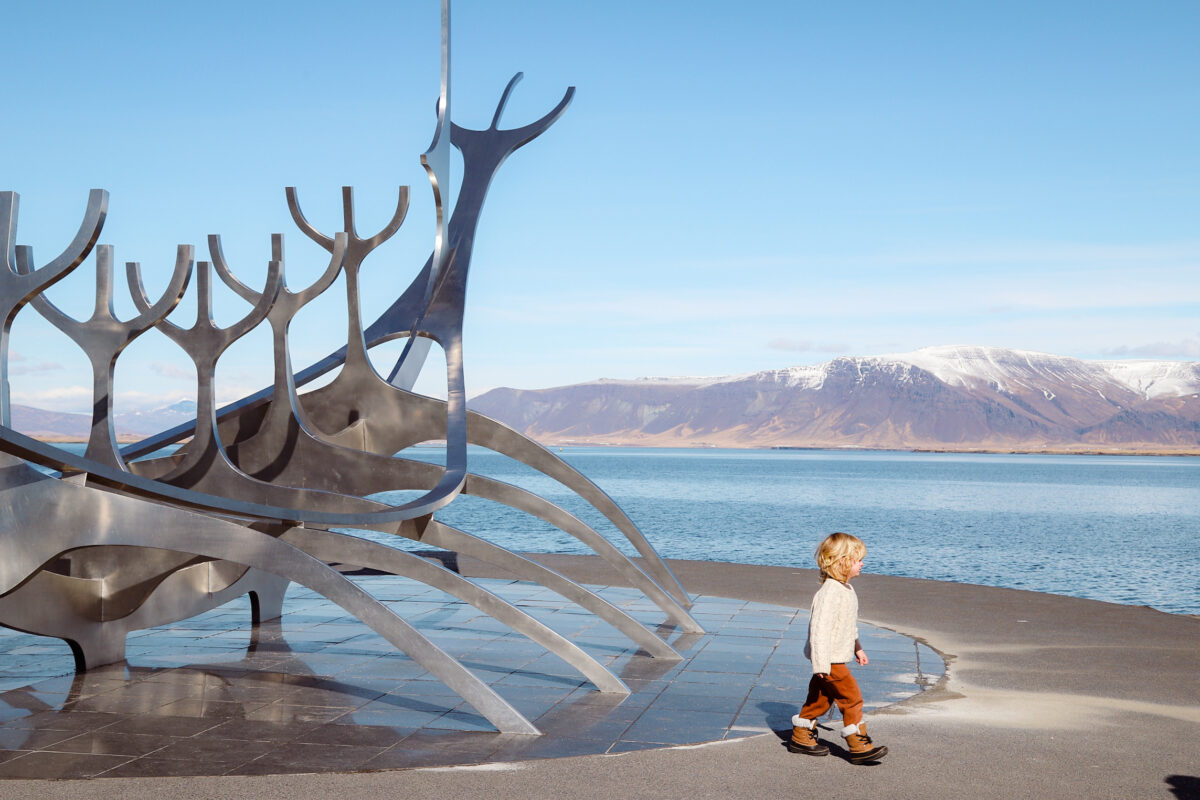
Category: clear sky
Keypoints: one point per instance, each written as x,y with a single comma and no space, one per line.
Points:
736,187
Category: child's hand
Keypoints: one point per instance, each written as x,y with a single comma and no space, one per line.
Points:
861,656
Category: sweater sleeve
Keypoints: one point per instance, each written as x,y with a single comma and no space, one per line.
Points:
820,633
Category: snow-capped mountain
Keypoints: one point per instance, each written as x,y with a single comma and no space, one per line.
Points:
144,423
956,398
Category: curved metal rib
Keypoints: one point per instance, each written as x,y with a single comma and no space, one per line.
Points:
503,439
530,503
448,538
54,517
337,547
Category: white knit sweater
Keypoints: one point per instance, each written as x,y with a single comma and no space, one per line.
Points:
832,626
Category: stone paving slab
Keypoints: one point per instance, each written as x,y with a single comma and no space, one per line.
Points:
318,691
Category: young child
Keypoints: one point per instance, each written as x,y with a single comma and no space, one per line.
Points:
832,642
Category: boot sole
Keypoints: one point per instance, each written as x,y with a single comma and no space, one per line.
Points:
869,757
808,751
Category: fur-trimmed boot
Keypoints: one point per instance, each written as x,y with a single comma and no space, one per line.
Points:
804,738
862,749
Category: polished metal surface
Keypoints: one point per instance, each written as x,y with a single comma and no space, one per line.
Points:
97,545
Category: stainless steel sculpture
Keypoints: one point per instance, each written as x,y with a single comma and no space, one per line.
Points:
105,544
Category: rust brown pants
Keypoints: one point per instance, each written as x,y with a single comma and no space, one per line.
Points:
839,687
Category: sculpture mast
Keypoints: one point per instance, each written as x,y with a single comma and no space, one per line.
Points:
436,161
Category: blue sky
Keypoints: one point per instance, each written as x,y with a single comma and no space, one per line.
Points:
735,187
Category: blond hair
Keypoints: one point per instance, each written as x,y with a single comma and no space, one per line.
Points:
835,554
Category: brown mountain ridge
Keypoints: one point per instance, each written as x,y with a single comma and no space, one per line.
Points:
941,398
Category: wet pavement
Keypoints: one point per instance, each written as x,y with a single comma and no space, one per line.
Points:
318,691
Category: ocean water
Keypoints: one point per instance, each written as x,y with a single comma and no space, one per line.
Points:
1114,528
1124,529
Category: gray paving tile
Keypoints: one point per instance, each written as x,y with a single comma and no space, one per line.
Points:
225,751
106,742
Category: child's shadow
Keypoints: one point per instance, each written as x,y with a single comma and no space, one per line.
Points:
779,718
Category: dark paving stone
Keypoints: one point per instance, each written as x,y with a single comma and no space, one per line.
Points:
356,735
227,751
151,767
390,717
9,755
699,702
199,707
602,728
465,720
9,713
115,744
31,738
287,713
260,730
628,747
299,757
162,725
400,758
66,720
440,748
544,747
673,726
350,697
43,764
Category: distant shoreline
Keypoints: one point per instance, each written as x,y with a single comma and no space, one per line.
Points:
1048,451
551,444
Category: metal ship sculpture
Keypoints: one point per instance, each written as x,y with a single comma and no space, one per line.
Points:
119,539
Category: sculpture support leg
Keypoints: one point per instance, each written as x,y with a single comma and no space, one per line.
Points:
266,601
448,538
329,546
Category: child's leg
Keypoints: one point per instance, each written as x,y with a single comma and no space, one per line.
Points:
820,698
845,692
804,725
849,699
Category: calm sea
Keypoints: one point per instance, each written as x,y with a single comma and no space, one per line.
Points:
1125,529
1114,528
